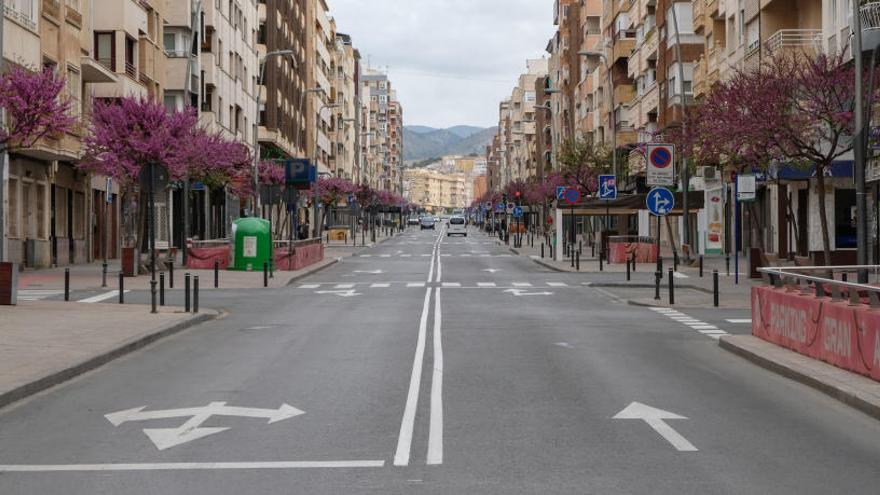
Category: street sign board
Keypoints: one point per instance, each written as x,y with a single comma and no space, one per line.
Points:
517,212
660,201
499,208
571,195
299,173
560,191
488,205
510,207
745,187
607,187
660,159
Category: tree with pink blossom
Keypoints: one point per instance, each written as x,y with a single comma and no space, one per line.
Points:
35,108
328,191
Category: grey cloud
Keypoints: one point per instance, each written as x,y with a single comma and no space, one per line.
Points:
452,61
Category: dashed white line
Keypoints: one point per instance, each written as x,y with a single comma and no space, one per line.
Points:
740,320
451,284
380,286
486,284
521,284
557,284
415,284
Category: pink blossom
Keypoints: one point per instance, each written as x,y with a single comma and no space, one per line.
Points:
34,107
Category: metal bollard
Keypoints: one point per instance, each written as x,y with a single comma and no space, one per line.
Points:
542,251
701,266
601,261
675,260
727,261
671,287
657,277
580,246
715,294
628,274
67,284
171,275
573,252
121,288
104,274
153,294
577,258
660,266
593,250
634,261
186,304
216,274
196,294
162,289
265,274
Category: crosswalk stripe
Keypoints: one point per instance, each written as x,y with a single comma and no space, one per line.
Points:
486,284
309,286
344,286
557,284
451,284
415,284
521,284
378,286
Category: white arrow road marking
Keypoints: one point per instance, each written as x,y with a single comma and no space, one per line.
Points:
165,438
369,272
492,270
524,292
340,293
655,419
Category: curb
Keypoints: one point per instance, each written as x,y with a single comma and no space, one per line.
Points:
647,286
312,271
547,265
823,382
92,363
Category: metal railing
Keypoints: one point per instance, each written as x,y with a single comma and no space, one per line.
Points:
815,279
794,38
870,15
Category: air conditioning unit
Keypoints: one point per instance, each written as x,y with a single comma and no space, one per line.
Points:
709,173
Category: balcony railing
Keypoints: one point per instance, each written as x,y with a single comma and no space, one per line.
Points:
870,15
794,38
131,70
52,8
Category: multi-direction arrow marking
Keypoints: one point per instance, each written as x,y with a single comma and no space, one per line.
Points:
655,419
165,438
523,292
340,293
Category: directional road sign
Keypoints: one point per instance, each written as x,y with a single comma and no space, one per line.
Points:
517,212
607,187
571,195
510,207
560,191
660,158
499,208
660,201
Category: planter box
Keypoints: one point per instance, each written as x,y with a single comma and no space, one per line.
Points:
8,284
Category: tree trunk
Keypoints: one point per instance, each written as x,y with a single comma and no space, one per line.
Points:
823,217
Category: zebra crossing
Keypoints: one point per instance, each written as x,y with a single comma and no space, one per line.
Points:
445,285
704,328
473,254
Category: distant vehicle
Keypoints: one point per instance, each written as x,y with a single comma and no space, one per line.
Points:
412,221
457,226
427,222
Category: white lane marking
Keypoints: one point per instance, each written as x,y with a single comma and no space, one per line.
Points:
405,255
451,284
368,272
366,256
521,284
486,284
435,429
102,297
679,275
384,255
716,336
704,327
740,320
445,255
415,284
309,286
344,286
379,286
557,284
425,255
340,293
465,255
655,418
714,332
185,466
663,310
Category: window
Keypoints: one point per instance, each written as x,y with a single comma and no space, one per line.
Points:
169,40
529,96
74,90
24,11
105,50
73,4
684,16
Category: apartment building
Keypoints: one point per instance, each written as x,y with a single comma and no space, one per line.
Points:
282,92
321,45
395,144
55,214
345,156
384,129
436,191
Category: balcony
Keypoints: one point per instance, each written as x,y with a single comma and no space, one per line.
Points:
131,70
72,16
701,74
870,17
699,9
52,8
795,39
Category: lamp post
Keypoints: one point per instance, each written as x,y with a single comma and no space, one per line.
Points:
859,149
263,61
318,230
685,179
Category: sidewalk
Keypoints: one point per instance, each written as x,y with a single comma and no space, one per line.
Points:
88,276
690,289
45,343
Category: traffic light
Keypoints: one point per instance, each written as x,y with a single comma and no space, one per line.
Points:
517,194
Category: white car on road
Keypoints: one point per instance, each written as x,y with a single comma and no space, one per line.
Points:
457,226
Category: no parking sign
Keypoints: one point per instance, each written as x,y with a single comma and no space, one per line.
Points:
660,158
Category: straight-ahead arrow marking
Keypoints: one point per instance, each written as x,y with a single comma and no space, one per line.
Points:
655,418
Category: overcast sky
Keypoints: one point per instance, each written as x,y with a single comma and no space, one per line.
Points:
451,61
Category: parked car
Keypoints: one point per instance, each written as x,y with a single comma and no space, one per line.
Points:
457,226
427,222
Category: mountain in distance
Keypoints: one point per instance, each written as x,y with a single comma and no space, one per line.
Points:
422,142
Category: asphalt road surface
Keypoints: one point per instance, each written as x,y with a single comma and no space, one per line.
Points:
437,365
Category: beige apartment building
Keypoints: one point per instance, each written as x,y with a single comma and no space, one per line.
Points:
436,191
321,47
345,156
55,214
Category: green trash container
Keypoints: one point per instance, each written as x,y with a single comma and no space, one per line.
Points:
253,244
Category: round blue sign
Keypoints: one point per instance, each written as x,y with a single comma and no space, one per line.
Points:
660,201
571,195
661,157
517,212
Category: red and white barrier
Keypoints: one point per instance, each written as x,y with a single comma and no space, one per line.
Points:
204,258
303,256
619,252
834,332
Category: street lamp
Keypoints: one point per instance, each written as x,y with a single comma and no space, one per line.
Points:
319,229
262,62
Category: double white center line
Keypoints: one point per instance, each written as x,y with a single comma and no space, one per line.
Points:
407,425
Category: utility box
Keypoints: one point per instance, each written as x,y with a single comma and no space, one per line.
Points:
252,244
